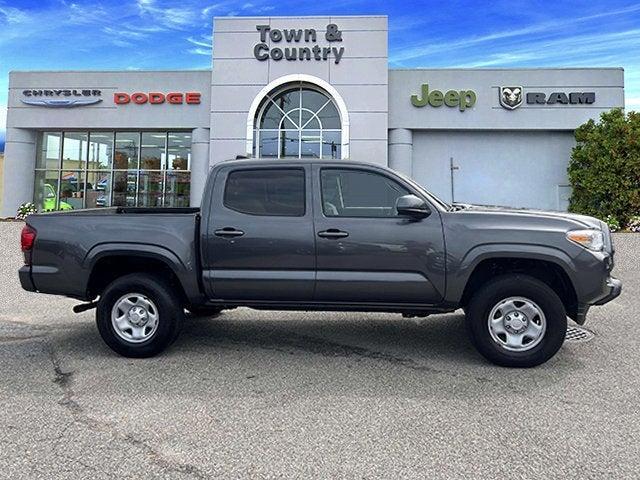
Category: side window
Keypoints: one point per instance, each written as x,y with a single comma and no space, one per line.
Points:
273,192
355,193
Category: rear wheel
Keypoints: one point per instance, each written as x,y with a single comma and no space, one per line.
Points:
516,321
139,315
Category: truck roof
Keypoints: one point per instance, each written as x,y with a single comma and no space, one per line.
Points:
299,161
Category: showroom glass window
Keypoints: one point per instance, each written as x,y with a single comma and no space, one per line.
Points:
297,121
76,170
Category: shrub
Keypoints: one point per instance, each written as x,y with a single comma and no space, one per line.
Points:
612,222
25,210
634,223
604,170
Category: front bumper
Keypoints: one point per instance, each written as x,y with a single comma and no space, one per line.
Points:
611,289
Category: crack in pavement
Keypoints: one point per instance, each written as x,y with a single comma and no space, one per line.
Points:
64,379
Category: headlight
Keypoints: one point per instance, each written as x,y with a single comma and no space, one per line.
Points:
591,239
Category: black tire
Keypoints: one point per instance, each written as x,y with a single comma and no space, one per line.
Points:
170,315
516,285
204,311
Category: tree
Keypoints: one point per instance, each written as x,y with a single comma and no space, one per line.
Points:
604,170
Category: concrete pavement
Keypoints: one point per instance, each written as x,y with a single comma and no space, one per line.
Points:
312,395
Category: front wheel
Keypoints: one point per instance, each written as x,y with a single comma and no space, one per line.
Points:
139,315
516,321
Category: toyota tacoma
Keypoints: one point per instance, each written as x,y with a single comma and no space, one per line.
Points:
326,236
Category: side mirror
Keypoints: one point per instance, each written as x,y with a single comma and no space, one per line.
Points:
412,206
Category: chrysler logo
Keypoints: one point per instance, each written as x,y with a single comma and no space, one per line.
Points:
510,97
61,98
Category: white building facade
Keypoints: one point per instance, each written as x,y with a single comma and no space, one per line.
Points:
310,87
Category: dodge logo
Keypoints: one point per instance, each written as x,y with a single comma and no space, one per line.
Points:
511,97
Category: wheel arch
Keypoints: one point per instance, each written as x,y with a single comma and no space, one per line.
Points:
549,265
107,262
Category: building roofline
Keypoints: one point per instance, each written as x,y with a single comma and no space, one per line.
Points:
500,69
461,69
297,16
111,71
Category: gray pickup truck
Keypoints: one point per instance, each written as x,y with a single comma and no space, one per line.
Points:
324,235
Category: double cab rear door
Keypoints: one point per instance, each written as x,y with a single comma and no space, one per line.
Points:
318,233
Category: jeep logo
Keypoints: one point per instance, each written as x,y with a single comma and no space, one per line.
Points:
462,99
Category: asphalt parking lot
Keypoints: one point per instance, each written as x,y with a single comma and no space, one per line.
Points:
310,395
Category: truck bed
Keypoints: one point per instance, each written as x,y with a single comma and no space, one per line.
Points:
70,243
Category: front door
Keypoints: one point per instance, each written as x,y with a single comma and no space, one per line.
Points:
259,243
366,252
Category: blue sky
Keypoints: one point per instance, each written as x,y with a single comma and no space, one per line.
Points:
159,34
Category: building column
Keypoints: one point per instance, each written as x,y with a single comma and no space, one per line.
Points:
401,150
199,163
19,169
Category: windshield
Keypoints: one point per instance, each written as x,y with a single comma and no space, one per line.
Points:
425,192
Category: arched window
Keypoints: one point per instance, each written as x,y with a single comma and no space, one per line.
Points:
297,120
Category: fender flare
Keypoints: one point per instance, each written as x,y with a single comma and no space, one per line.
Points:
187,276
458,281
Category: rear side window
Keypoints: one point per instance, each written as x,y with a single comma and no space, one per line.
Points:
272,192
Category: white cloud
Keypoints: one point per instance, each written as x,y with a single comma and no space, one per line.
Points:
125,33
592,50
204,41
200,51
497,59
632,103
13,15
86,15
207,11
424,49
121,43
170,17
231,7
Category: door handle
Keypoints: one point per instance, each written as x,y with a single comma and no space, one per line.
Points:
333,233
228,232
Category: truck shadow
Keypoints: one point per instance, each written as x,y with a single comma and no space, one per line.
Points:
385,337
355,353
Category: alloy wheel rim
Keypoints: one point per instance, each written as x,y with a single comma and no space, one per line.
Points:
517,324
134,318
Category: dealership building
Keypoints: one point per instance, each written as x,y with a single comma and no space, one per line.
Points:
297,87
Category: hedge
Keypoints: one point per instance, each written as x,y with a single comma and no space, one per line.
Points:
604,170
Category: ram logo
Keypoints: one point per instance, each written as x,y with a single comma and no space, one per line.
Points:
510,97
